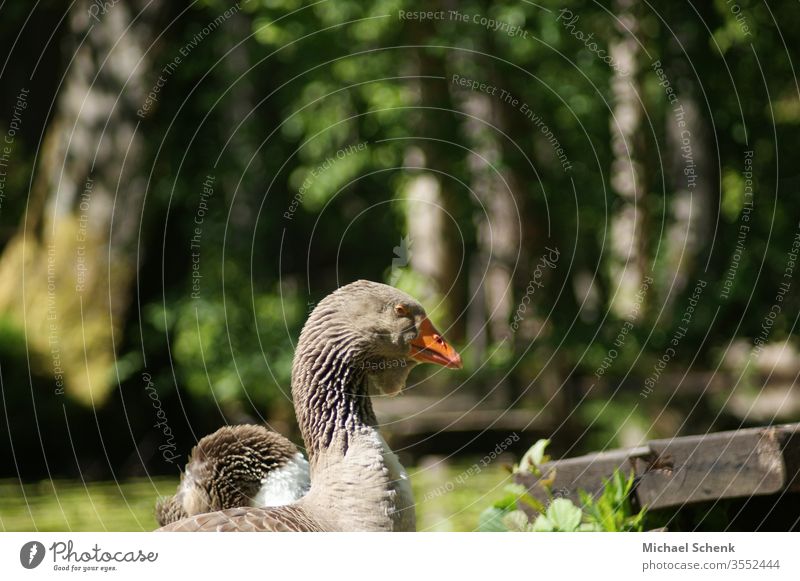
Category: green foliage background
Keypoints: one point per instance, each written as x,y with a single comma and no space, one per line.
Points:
276,91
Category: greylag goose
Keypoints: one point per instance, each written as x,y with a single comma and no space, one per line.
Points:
363,336
235,466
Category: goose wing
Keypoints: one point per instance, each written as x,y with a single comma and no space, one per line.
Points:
287,519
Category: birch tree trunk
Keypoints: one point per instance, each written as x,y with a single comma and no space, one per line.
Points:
692,176
628,256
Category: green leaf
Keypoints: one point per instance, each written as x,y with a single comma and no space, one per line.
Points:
491,520
543,525
516,521
508,501
534,457
612,511
514,494
515,489
590,527
564,515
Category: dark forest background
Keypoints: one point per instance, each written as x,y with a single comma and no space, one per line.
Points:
607,230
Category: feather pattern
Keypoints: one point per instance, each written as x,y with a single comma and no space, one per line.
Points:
357,483
230,467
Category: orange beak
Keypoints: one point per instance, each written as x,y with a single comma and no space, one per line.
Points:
430,347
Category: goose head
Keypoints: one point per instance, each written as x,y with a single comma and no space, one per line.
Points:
379,331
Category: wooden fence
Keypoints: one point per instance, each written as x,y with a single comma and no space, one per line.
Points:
687,470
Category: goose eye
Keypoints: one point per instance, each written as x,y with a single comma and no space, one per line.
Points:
401,311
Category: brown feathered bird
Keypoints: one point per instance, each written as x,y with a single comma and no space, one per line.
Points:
243,465
364,336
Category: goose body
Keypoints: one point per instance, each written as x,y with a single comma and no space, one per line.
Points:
362,337
242,465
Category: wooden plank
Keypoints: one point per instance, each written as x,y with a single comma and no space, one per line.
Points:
690,469
714,466
789,436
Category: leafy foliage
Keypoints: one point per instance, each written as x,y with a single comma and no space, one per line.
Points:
278,89
611,511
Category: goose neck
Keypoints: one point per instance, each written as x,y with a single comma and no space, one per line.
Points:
343,444
331,399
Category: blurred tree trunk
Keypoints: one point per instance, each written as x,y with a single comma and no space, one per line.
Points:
500,259
691,203
67,273
500,228
436,249
628,244
506,229
499,220
691,175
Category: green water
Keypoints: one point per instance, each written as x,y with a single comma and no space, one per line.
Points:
71,505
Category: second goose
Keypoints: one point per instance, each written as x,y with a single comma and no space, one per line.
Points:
242,465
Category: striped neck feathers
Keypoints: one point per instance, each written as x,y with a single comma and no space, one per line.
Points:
329,387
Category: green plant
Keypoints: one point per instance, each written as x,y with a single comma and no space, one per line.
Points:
611,511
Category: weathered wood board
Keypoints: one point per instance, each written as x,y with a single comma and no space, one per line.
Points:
689,469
